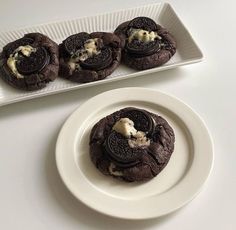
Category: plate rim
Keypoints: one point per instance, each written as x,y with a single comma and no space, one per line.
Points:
135,89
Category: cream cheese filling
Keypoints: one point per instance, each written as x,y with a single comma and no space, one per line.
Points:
89,50
136,138
143,35
114,172
13,58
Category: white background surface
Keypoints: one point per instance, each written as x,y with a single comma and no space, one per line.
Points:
32,195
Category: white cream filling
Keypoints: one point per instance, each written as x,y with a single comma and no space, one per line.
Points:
89,50
143,35
73,65
125,126
139,141
11,61
26,50
114,172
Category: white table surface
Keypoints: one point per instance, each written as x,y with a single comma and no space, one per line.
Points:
32,195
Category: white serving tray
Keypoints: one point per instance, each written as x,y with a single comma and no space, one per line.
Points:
187,50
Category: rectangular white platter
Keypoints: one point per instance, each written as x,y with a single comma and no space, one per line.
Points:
187,50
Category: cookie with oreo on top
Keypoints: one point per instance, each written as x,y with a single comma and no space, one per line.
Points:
131,144
145,43
29,63
89,57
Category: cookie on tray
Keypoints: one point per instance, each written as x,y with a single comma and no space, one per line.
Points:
131,144
30,62
145,44
89,57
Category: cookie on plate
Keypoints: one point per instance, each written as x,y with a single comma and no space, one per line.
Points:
131,144
30,62
89,57
146,44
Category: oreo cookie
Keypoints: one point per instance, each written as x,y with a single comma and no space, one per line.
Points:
99,61
131,144
142,49
145,44
30,62
118,150
144,23
75,42
143,121
89,57
34,63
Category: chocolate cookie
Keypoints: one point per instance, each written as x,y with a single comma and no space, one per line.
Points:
145,44
131,144
30,62
89,57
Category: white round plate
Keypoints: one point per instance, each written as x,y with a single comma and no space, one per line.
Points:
176,185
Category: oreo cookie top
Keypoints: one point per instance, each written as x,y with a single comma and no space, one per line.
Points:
30,62
145,43
89,57
131,144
